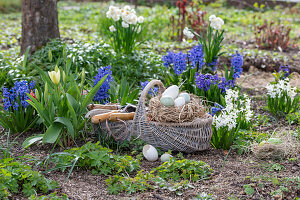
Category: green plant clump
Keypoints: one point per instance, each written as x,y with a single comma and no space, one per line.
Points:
52,196
16,177
96,158
173,175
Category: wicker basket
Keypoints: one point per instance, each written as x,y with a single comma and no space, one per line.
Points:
120,130
184,137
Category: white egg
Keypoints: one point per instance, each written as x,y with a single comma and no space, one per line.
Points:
150,153
167,100
172,91
180,101
165,157
186,96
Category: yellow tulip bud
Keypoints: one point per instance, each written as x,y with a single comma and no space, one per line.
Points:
37,95
56,68
46,93
64,76
54,76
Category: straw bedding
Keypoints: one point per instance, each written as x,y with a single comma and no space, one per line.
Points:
187,113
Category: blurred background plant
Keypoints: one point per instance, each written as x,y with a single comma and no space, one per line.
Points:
272,36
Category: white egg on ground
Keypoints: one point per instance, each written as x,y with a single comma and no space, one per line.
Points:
186,97
180,101
165,157
150,153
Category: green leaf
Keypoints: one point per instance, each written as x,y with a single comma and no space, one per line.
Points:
249,189
91,94
67,123
31,140
52,133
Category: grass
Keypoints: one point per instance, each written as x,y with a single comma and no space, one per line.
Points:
7,6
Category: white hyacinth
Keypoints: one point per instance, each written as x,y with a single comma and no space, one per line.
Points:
216,22
188,33
228,116
112,28
280,88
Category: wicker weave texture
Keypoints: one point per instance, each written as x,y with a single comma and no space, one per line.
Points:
183,137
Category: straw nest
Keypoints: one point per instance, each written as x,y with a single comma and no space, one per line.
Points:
288,148
186,113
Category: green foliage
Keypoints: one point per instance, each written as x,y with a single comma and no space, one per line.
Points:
96,158
51,196
245,138
140,66
204,196
123,93
173,175
271,167
62,106
15,177
249,190
183,169
279,186
293,118
283,105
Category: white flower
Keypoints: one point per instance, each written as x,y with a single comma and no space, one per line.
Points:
127,8
132,19
114,13
235,109
112,28
140,19
188,33
281,88
216,22
212,17
125,25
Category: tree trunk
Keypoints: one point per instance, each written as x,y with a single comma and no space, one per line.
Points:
39,23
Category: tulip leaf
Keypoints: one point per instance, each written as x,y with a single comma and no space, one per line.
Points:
52,133
31,140
67,123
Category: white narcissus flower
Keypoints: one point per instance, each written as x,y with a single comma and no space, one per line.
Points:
216,22
112,28
188,33
140,19
132,19
125,25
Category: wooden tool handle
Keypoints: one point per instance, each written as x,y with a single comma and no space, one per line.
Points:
122,116
102,117
100,106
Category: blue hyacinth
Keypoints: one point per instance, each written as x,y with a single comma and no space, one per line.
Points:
17,95
217,108
102,95
168,59
153,91
224,85
286,70
205,81
196,56
237,62
179,63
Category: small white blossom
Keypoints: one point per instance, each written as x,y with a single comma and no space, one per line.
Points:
112,28
280,88
140,19
216,22
230,114
188,33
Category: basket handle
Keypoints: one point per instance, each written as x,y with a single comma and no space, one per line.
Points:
141,107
